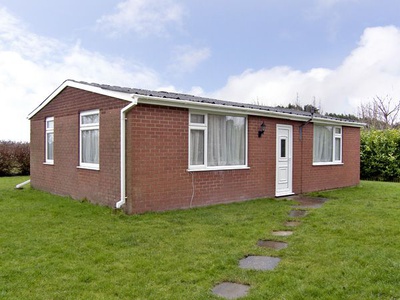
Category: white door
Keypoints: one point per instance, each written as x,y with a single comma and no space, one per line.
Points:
284,148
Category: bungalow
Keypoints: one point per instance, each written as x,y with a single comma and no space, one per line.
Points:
146,150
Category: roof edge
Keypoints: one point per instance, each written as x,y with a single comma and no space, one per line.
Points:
219,106
152,100
82,86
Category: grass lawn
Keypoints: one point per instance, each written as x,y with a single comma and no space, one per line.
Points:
56,248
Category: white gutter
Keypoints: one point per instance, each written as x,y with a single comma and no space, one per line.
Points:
122,201
19,186
153,100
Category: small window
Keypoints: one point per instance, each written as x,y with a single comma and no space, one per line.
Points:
197,119
89,139
327,148
50,140
283,148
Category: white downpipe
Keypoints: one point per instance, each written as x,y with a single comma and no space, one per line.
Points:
122,201
19,186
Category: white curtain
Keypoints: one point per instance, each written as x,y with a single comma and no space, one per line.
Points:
226,140
323,143
196,147
90,146
50,146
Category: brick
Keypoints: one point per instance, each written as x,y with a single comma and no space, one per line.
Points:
157,158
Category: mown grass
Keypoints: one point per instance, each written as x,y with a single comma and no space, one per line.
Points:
57,248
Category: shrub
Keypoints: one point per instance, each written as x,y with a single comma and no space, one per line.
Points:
6,158
14,158
380,155
22,158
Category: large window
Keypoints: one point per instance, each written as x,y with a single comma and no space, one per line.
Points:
327,144
217,141
89,139
50,140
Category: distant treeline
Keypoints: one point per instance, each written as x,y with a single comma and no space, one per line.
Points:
14,158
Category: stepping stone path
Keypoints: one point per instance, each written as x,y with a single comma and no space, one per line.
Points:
307,202
272,244
230,290
282,232
259,262
292,223
297,213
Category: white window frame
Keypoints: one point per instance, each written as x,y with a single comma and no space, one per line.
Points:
338,136
84,127
334,137
204,127
49,130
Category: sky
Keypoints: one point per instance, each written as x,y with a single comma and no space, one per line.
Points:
337,54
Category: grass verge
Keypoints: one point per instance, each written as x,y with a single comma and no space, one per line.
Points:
57,248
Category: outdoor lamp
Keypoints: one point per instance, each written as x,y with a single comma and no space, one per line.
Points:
262,129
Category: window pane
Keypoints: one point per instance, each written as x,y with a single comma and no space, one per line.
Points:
323,143
337,149
197,147
197,119
338,130
90,119
50,146
90,146
49,124
226,140
283,148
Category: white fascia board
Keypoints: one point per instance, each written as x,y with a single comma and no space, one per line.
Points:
240,110
323,121
81,86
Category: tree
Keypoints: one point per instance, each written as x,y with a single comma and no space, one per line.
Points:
382,113
350,117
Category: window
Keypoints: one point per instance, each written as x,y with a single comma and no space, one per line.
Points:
50,140
217,141
327,144
89,139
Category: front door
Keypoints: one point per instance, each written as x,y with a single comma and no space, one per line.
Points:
284,149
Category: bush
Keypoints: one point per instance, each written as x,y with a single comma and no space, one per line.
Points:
14,158
380,155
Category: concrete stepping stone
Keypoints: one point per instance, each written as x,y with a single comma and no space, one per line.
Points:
230,290
308,202
315,205
282,232
292,223
297,213
261,263
272,244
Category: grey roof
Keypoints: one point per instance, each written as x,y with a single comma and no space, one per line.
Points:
197,99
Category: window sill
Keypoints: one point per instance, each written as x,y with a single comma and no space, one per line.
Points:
48,163
328,164
88,168
218,169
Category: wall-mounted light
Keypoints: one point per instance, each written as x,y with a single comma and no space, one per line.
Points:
262,129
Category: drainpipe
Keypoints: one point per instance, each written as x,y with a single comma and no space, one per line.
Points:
122,201
19,186
301,140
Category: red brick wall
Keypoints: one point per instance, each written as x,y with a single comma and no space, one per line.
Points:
334,176
157,158
157,162
64,178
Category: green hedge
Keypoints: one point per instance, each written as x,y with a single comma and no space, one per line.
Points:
14,158
380,155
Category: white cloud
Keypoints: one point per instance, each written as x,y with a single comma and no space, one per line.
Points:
144,17
187,58
371,69
32,66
